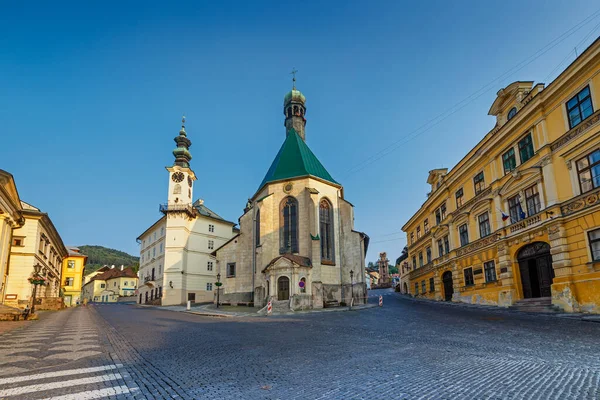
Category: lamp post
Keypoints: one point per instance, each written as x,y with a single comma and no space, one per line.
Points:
218,288
352,287
36,273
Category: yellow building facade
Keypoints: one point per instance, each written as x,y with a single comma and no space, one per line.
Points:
73,268
518,218
110,285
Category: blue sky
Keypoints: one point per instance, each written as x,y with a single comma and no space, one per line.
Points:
92,93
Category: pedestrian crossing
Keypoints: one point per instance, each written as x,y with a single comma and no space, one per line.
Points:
76,384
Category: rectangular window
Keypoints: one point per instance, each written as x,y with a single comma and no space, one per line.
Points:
514,209
509,160
484,225
161,248
459,198
469,276
431,285
588,170
416,287
526,148
464,234
230,270
423,287
579,107
209,266
418,232
102,286
440,248
209,286
479,183
154,252
426,226
443,211
211,244
428,253
162,231
414,262
412,238
420,259
211,228
532,199
594,237
438,217
154,240
192,297
446,244
490,271
18,241
69,281
71,264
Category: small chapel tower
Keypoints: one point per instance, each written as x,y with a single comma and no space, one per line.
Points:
294,109
181,176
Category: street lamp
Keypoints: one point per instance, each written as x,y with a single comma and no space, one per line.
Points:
218,288
36,272
352,287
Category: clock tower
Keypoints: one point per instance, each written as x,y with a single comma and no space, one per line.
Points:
181,176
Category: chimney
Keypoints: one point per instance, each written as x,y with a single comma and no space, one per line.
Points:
121,268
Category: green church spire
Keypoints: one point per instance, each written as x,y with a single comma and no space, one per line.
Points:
182,151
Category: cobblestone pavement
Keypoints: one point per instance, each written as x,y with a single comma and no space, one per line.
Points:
404,350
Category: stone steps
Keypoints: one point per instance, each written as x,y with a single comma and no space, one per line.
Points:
538,305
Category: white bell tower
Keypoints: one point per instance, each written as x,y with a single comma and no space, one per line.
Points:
181,176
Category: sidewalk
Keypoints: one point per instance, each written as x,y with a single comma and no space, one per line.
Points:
579,316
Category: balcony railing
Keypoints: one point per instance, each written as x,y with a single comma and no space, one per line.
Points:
518,226
177,208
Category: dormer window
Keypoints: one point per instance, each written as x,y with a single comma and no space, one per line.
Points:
512,113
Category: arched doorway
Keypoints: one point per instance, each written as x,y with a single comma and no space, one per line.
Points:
405,291
448,285
140,298
283,288
535,265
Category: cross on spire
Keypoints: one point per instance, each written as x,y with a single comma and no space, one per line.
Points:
293,73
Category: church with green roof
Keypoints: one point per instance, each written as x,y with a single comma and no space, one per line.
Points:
297,247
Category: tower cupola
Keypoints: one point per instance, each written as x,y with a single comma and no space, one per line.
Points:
182,151
294,109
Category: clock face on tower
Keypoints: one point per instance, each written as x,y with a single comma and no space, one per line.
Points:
178,177
189,181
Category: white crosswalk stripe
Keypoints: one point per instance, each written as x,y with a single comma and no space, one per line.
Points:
37,385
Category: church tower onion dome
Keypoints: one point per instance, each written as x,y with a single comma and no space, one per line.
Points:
182,151
294,95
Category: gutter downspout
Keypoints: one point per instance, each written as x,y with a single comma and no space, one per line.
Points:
253,253
339,225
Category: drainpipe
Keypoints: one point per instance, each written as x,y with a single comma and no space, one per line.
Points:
253,252
339,225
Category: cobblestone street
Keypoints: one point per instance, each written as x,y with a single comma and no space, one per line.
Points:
405,350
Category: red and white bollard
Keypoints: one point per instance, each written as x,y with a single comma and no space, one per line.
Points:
269,308
380,301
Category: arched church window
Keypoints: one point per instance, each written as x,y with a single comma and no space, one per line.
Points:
177,189
289,226
257,228
326,230
512,112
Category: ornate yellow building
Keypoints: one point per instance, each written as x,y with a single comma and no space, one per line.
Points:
72,276
517,220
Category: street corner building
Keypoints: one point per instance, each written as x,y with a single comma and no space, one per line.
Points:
297,244
35,244
517,221
73,268
176,264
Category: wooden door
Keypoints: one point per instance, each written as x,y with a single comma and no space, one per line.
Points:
283,288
